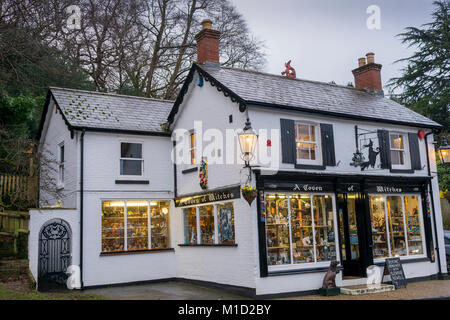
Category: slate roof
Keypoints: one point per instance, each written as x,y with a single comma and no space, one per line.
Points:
262,88
89,109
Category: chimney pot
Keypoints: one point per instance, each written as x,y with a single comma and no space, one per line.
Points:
370,57
206,24
361,62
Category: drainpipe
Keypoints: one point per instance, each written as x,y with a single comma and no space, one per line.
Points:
440,276
81,203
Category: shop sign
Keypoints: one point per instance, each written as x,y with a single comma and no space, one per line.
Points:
394,268
219,195
300,187
393,189
348,187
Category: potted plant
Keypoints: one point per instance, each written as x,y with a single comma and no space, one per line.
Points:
249,194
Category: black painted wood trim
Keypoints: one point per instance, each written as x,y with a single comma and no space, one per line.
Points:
193,169
310,167
119,253
301,271
262,249
132,182
208,245
401,170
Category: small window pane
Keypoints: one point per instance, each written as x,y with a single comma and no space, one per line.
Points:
379,235
207,224
323,225
113,226
313,152
313,133
413,223
396,226
397,157
131,150
396,141
137,225
61,153
225,223
159,224
190,225
131,167
303,132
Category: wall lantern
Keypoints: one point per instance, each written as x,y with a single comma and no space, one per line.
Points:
444,151
247,141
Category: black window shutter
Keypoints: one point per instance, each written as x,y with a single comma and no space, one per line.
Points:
328,154
385,149
287,141
414,151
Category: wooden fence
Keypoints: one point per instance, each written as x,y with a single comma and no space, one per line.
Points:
445,207
14,234
17,189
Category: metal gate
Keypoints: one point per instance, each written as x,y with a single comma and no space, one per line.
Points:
54,253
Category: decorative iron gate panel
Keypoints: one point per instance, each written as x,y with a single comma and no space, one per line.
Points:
54,252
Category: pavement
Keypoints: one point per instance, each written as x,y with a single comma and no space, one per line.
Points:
162,291
434,289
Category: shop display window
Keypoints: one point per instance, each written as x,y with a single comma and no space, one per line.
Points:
137,225
206,224
190,225
396,226
159,219
210,224
413,225
324,228
277,224
113,238
299,228
138,235
379,235
225,223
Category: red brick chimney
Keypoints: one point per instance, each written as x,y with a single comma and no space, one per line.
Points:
207,43
368,75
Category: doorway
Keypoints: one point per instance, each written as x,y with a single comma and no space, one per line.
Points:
54,255
350,219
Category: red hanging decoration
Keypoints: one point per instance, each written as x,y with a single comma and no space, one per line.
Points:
421,134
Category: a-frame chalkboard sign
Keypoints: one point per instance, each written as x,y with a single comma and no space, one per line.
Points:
394,268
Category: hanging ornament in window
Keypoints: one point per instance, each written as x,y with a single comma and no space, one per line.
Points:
203,174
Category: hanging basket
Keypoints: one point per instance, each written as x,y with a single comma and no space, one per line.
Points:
250,196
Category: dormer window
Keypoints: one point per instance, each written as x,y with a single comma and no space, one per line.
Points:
307,143
131,161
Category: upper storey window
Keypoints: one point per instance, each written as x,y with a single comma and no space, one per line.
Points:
131,161
307,143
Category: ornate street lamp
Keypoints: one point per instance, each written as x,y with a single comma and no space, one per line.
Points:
247,141
444,151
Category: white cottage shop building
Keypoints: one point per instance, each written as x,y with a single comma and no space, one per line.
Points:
341,174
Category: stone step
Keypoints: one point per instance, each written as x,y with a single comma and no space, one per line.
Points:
367,289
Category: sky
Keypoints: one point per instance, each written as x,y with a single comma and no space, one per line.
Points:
324,38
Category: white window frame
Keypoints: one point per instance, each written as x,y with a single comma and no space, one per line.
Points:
306,265
61,162
149,221
216,226
405,150
422,230
136,159
317,143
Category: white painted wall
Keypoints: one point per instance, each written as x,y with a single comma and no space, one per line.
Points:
38,218
227,265
54,132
